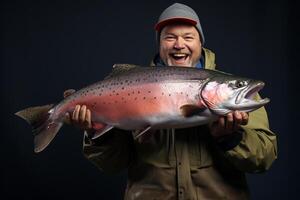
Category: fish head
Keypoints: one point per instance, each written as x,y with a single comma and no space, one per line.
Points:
225,94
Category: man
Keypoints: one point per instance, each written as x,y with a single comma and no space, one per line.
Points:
205,162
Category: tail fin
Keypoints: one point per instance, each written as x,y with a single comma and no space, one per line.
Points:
43,127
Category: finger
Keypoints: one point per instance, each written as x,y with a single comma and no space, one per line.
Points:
68,92
76,113
229,122
82,113
214,123
67,119
245,118
221,123
237,119
88,119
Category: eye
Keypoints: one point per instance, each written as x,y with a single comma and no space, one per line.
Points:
188,38
240,84
169,38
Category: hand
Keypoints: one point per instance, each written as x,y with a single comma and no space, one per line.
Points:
229,124
81,116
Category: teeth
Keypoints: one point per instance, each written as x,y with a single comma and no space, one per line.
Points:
179,54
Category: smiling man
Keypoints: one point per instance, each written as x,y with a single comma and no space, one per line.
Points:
180,45
204,162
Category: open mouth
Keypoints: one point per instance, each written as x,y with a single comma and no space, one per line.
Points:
179,57
253,90
246,97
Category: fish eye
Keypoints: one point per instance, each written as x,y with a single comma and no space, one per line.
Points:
240,84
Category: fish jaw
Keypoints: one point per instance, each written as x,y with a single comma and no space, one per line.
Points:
225,97
246,101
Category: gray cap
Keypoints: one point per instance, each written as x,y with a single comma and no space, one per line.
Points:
179,13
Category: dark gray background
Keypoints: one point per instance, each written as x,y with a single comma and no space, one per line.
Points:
55,45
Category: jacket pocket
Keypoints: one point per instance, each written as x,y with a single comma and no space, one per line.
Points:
199,145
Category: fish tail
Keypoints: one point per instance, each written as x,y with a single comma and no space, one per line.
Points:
44,128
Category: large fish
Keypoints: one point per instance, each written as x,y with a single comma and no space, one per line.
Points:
144,98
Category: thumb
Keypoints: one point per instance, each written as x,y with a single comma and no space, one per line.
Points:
67,119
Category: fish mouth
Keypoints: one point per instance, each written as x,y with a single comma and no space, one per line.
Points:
246,101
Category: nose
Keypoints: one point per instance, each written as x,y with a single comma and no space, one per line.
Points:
179,44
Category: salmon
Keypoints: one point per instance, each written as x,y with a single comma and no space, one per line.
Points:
148,98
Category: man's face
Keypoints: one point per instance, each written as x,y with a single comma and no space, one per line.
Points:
180,45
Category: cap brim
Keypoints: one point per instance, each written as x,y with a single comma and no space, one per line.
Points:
163,23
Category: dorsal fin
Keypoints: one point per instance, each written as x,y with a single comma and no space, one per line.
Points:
120,68
123,67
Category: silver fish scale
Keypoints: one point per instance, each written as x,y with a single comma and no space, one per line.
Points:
140,75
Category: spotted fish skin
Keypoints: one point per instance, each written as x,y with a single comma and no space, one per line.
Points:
138,98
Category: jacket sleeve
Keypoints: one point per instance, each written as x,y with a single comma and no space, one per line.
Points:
111,152
257,148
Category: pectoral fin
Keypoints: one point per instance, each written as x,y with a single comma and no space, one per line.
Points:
120,68
189,110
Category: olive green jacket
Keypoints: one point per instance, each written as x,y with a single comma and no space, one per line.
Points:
187,163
